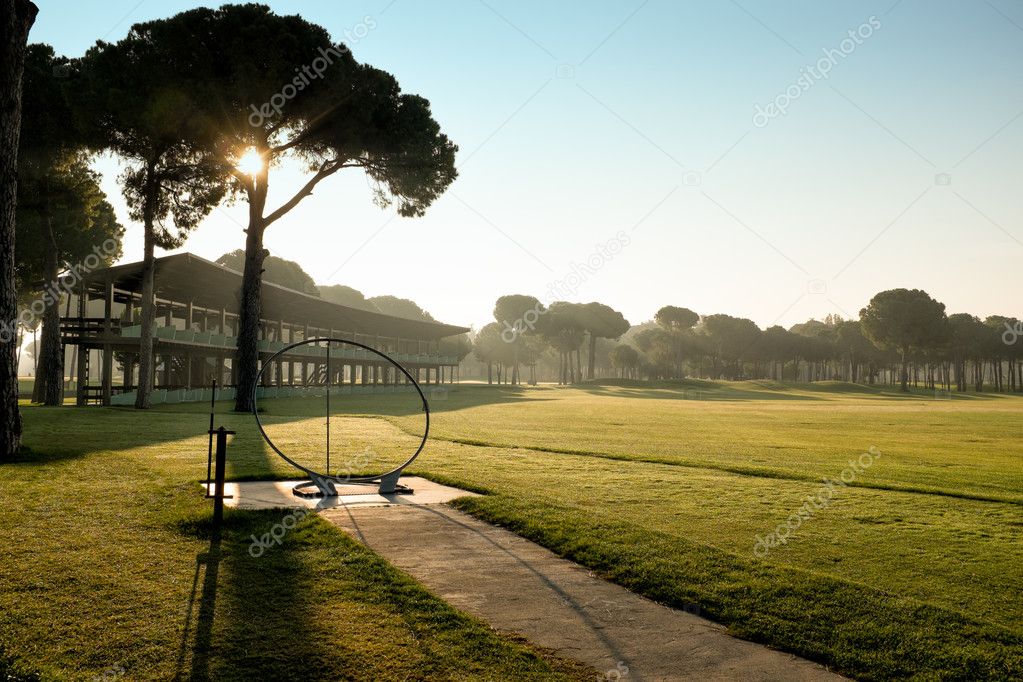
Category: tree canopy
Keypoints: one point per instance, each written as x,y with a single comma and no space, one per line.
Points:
674,318
243,68
138,101
63,217
287,273
344,295
399,307
904,320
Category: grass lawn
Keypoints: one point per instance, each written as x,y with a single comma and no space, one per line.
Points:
915,570
107,566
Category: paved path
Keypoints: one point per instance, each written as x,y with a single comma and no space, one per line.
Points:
279,495
516,585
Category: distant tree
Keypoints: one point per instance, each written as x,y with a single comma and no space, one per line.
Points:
563,329
965,334
905,320
49,141
676,319
399,307
137,100
678,323
511,312
532,347
339,115
731,339
625,359
343,295
286,273
658,345
815,341
487,346
854,347
63,219
629,336
1001,354
16,18
600,322
456,346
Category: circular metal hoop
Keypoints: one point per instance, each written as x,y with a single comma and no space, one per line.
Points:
339,479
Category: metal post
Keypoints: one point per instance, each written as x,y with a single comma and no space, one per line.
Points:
218,489
328,406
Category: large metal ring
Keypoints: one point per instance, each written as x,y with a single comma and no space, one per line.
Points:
312,473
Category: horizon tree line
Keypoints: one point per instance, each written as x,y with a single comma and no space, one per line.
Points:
902,337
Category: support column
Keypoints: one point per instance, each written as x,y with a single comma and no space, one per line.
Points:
304,364
279,369
108,351
108,306
83,375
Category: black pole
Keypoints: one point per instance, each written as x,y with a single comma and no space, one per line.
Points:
218,494
328,405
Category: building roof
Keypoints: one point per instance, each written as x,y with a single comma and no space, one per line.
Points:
186,277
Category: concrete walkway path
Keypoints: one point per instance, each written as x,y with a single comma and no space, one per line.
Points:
518,586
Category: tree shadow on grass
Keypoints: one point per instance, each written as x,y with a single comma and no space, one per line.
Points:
246,601
441,398
699,393
251,609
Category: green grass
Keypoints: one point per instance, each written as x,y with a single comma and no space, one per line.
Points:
927,541
912,572
108,564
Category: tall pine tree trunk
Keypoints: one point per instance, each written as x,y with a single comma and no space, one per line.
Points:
247,356
592,358
904,376
16,18
49,384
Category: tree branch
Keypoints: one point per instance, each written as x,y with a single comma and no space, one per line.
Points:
326,170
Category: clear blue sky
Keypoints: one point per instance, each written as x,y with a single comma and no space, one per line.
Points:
578,120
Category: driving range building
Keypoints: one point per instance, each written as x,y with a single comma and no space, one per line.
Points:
195,337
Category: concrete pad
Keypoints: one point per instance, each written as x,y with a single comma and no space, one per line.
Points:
516,585
278,495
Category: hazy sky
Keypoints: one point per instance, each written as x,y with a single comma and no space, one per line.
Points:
613,150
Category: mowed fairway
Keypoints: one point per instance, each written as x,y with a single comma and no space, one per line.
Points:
916,568
913,571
